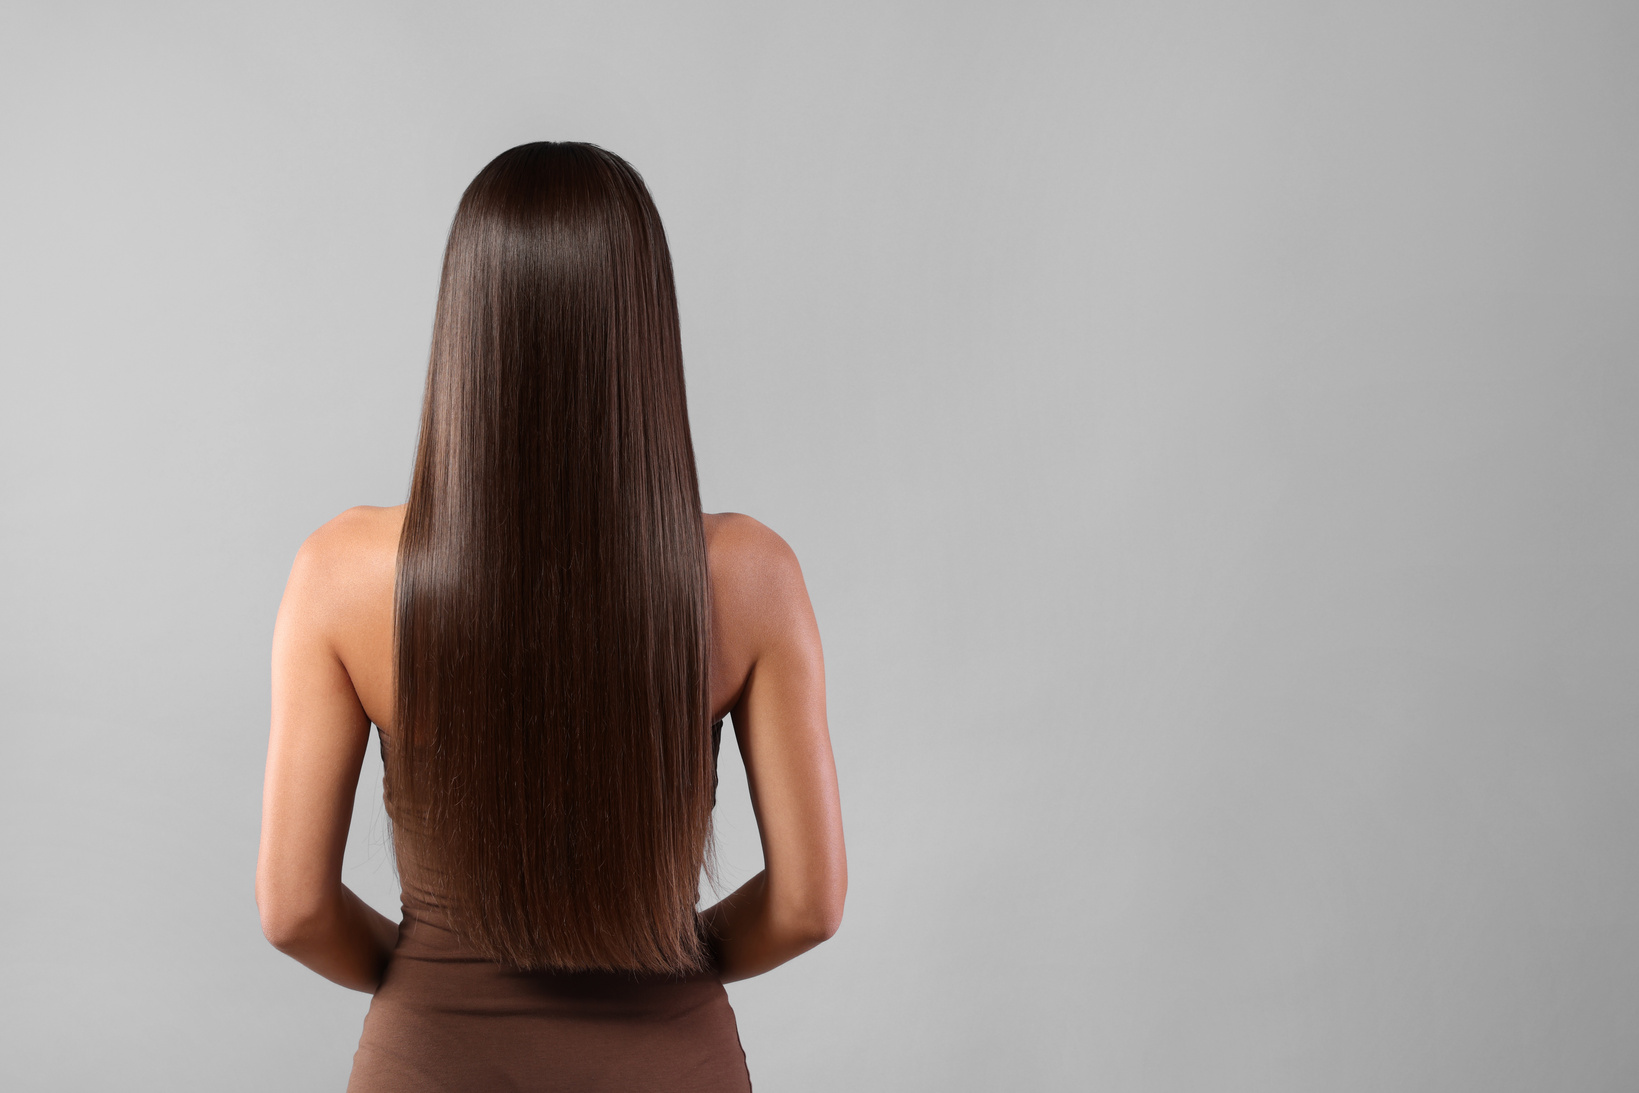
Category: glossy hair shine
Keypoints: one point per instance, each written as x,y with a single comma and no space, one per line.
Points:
551,762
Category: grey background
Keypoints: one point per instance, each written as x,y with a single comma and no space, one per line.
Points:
1209,432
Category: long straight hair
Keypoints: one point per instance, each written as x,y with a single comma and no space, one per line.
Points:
551,762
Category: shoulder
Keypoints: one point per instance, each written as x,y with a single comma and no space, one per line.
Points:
346,561
756,581
358,536
747,551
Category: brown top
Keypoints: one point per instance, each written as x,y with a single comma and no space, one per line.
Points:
447,1019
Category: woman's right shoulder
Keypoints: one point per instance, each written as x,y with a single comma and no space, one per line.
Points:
755,577
742,548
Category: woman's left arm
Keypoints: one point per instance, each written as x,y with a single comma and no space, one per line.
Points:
315,748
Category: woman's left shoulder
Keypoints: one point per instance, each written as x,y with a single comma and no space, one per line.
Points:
359,526
349,556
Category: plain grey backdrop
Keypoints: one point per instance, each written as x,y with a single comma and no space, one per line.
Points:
1210,433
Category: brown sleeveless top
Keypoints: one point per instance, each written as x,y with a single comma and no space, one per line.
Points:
447,1019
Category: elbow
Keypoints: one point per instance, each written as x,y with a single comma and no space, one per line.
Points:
819,920
284,931
826,924
287,923
818,905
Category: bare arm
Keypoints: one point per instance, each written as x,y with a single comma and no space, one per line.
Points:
796,901
315,748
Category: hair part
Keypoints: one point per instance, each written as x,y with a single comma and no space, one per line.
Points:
551,765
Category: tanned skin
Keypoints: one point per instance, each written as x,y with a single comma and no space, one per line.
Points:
333,677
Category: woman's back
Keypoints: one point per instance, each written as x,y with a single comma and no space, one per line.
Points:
358,551
548,636
446,1018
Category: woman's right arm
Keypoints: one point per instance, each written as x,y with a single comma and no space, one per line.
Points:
796,901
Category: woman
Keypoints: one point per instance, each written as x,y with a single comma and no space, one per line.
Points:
547,638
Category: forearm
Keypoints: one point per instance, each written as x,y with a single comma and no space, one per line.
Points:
750,935
348,942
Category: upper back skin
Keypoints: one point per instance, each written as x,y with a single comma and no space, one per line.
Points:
358,552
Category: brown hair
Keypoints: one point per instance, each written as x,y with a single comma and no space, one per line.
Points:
551,758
